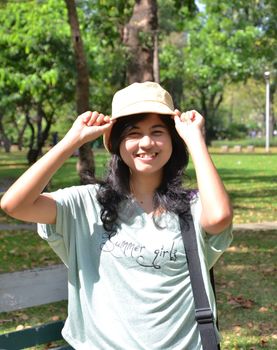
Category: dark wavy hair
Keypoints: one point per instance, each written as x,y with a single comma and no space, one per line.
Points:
169,196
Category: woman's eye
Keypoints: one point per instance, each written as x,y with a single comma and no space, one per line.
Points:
133,134
157,132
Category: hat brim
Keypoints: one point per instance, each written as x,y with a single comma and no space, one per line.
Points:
137,108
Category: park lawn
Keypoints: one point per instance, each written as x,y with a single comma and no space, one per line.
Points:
250,178
245,288
22,250
245,274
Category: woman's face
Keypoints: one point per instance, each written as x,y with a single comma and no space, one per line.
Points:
146,147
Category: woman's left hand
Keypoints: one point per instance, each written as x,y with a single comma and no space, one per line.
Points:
189,124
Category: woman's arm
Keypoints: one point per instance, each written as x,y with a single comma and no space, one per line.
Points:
24,200
217,213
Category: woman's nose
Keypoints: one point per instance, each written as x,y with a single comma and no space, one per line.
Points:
146,141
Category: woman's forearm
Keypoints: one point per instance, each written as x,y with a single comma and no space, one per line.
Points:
24,200
216,206
21,197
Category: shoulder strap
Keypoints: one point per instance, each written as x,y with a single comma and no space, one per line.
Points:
203,313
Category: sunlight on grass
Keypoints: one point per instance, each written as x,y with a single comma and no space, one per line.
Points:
238,339
245,292
245,285
33,316
249,178
251,181
245,275
36,251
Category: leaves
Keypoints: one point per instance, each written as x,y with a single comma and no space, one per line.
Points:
247,314
36,60
240,301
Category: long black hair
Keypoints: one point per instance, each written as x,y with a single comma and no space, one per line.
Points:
169,196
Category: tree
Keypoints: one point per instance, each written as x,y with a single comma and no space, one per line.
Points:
174,17
35,80
140,38
86,166
219,46
3,136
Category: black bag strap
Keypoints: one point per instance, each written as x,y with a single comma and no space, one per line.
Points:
203,313
212,279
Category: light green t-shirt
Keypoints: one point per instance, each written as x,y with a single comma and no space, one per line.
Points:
132,291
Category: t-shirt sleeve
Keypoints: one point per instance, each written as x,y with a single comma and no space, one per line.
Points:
77,210
213,245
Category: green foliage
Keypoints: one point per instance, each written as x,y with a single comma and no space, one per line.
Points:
33,45
202,51
222,43
33,72
233,131
102,22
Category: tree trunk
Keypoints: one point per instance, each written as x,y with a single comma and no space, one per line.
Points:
85,166
37,140
209,108
20,132
271,113
4,138
32,152
139,37
156,65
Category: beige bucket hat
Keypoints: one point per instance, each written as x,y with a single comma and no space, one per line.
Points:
146,97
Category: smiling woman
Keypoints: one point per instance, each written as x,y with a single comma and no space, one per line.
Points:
147,147
121,238
148,158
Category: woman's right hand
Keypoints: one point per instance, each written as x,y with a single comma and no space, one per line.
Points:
89,126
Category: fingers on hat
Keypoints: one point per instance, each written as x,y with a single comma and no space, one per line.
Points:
188,116
86,116
92,118
96,118
185,116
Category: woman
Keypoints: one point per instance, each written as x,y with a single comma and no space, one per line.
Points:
129,286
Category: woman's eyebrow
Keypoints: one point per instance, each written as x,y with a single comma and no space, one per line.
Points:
131,128
152,127
158,126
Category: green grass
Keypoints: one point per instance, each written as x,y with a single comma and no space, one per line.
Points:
250,178
257,142
36,252
67,175
246,287
33,316
245,274
251,182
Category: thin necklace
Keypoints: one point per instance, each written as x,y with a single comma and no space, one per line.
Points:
133,193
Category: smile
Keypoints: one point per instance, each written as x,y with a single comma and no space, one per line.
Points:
146,155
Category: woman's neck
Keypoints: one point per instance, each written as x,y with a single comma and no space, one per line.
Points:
143,189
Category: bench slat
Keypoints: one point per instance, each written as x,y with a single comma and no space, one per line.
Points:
33,336
27,288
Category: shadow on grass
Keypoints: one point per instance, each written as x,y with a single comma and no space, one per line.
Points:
246,286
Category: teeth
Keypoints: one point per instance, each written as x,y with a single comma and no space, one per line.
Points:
147,155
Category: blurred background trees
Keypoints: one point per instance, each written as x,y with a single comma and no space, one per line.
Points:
211,55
